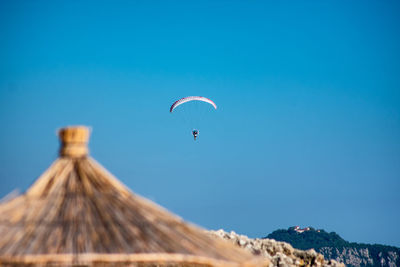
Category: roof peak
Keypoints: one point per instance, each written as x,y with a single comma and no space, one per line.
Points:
74,140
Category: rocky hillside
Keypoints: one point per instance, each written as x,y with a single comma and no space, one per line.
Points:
332,246
279,253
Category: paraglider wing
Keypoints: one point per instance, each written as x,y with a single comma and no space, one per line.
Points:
191,98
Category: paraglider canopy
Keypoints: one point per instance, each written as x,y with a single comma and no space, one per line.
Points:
191,98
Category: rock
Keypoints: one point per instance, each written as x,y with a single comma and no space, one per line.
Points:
280,254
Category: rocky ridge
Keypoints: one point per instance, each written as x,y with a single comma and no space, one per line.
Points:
332,246
280,254
359,257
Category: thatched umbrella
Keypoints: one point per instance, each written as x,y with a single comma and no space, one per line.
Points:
77,213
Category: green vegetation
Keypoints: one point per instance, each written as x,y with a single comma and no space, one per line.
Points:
309,239
317,239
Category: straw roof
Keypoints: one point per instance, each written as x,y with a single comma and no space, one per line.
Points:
77,213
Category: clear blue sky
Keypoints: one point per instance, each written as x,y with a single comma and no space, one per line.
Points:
308,127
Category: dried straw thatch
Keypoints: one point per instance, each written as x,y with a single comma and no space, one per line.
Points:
77,213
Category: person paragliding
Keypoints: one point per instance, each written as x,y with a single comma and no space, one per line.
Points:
195,134
181,101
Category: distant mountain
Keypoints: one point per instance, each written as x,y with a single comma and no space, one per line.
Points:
332,246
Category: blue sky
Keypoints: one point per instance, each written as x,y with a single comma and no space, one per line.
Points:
307,130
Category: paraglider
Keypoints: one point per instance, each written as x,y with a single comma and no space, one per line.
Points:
195,132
